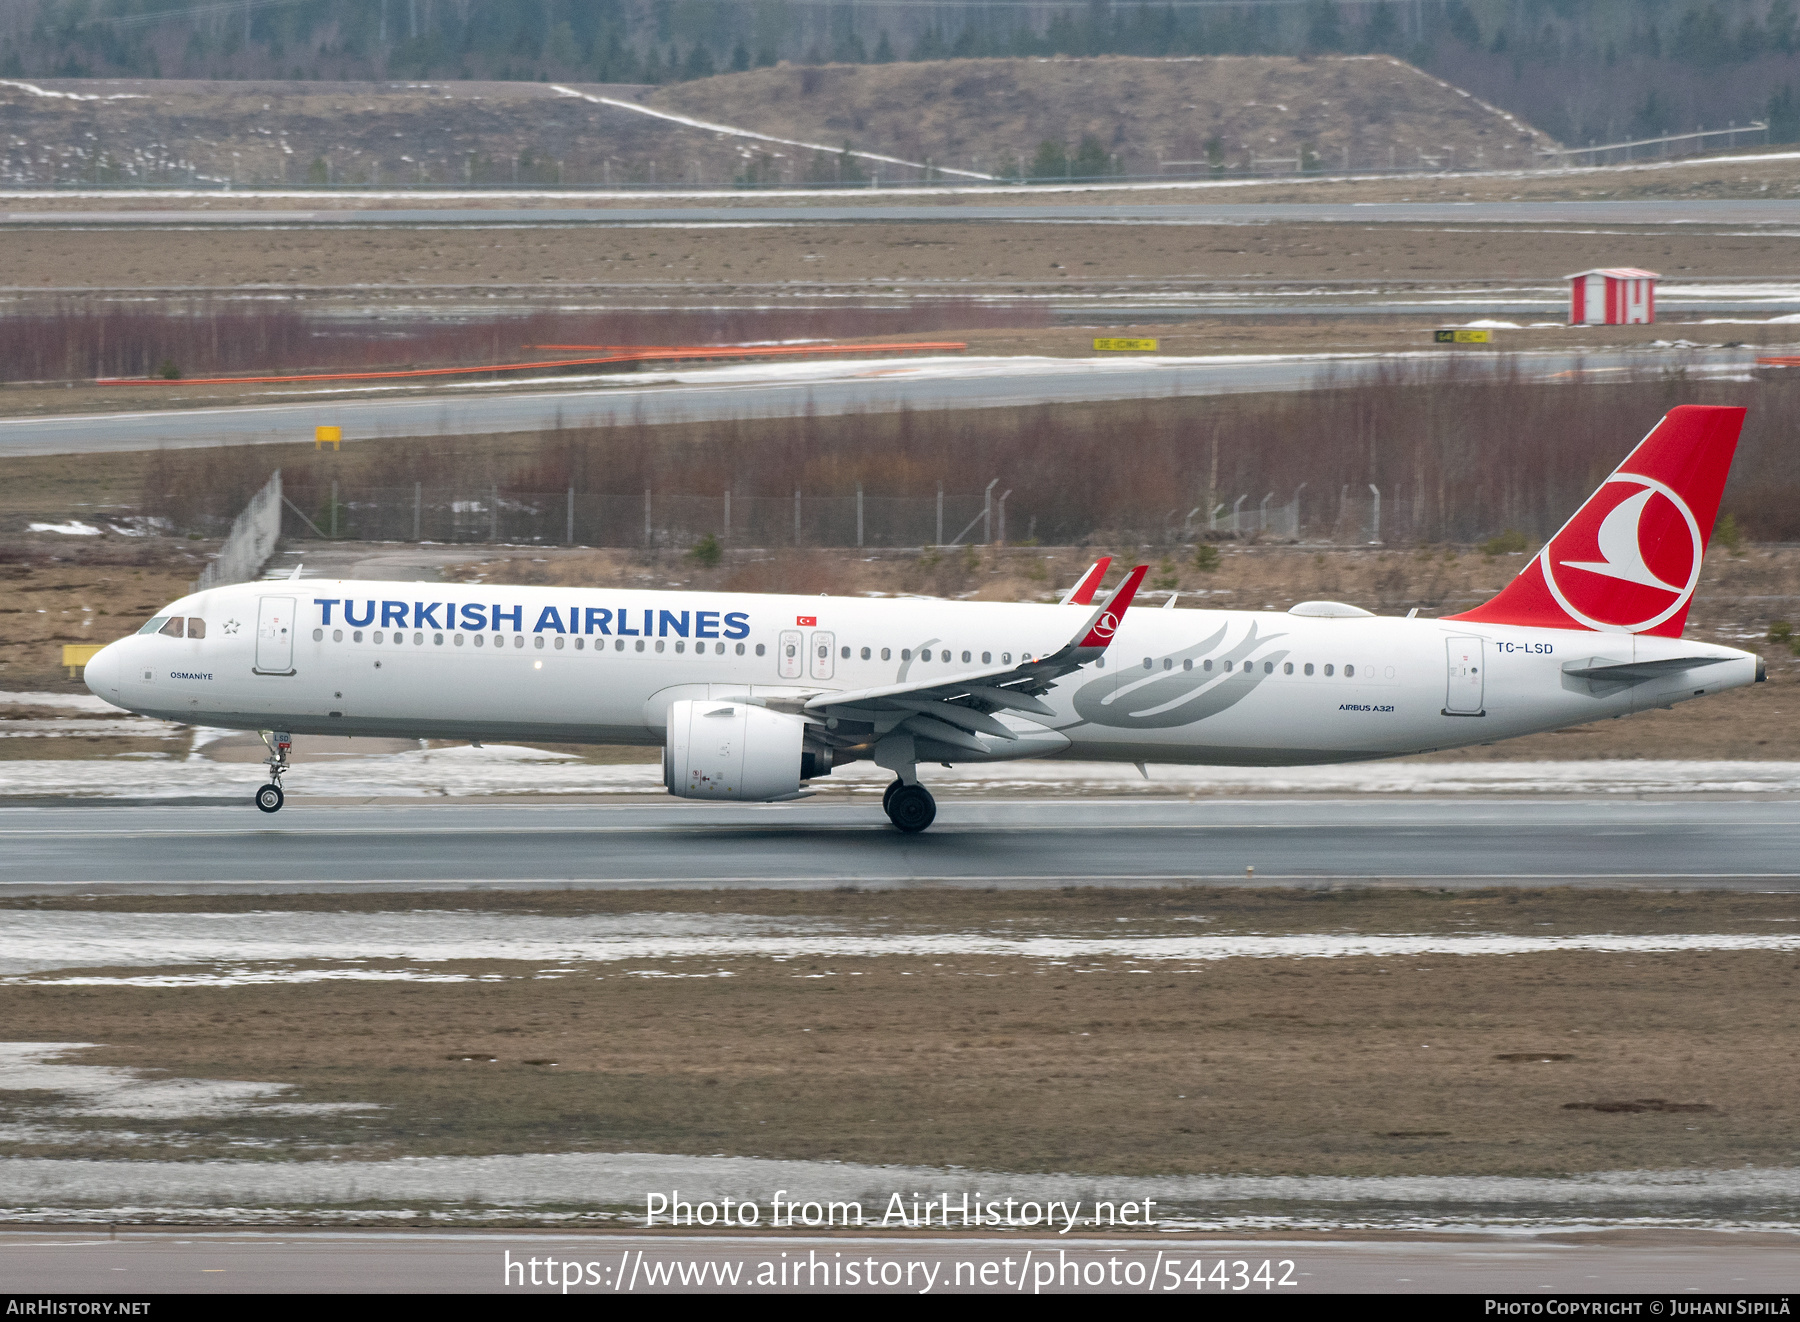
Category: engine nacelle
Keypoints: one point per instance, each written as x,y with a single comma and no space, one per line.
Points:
723,749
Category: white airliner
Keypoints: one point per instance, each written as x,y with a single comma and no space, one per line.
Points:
751,697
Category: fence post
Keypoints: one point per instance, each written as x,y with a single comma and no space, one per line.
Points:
494,513
940,532
1001,539
569,535
1377,491
418,505
987,513
727,534
859,517
796,516
646,516
334,501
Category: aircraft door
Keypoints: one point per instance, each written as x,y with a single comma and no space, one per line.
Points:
1465,686
824,646
791,664
275,636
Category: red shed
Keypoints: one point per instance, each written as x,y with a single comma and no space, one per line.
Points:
1612,296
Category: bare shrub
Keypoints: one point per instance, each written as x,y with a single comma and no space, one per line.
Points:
1460,456
79,340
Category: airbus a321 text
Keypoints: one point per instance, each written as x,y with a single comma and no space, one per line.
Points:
751,697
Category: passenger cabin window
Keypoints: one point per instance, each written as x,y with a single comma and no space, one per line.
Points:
1327,672
173,628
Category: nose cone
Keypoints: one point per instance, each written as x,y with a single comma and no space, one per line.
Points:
105,672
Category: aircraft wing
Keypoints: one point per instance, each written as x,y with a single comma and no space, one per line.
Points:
955,709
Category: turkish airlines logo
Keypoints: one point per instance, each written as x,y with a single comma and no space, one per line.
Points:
1629,559
1106,625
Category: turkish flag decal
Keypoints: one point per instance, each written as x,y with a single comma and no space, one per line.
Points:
807,621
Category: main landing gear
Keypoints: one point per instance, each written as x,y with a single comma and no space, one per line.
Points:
909,807
270,798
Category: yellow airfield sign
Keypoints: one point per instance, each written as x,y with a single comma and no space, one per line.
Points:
1125,346
1461,336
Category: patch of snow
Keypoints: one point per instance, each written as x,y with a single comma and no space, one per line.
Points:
618,1179
109,1091
37,943
733,131
73,528
32,89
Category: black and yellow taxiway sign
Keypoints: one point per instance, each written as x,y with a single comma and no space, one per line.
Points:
1128,346
1460,337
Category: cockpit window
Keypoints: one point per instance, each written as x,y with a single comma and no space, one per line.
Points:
173,627
155,625
196,627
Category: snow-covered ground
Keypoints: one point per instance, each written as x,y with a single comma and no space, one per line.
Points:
255,947
501,770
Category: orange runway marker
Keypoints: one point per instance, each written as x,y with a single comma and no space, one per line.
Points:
612,354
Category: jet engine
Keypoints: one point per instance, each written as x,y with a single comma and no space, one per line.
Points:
735,750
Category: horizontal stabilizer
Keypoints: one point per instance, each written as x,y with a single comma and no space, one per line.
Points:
1636,672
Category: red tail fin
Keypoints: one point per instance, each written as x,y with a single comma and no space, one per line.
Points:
1628,562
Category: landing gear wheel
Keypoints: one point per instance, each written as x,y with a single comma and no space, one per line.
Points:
911,808
269,798
887,795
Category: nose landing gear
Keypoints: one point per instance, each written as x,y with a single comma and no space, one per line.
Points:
270,798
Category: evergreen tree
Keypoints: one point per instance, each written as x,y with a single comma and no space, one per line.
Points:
884,49
1092,160
1784,116
1382,31
1051,162
1324,31
699,63
740,57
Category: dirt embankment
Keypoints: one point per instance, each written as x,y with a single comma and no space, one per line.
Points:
990,116
984,116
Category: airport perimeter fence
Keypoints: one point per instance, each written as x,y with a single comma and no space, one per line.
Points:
650,520
251,541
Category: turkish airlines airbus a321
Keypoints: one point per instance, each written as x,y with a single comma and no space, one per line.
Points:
750,697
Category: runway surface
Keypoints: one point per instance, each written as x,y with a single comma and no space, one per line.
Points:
89,1261
1720,844
557,211
700,396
